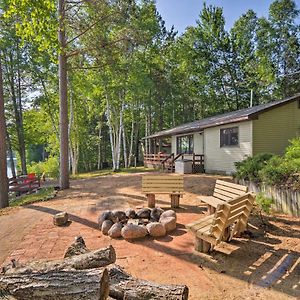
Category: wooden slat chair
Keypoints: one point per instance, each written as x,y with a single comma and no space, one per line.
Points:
209,231
163,184
223,191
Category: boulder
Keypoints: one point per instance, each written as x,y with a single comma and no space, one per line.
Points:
130,213
167,214
60,219
144,213
169,223
106,225
115,230
132,231
106,215
155,214
156,229
119,216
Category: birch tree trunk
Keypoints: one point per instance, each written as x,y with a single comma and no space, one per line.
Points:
20,107
3,162
17,113
119,136
111,136
131,141
124,147
63,99
11,156
99,144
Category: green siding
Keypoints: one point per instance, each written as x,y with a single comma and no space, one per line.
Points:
273,129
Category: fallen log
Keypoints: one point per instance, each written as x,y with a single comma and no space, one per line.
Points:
89,260
53,285
124,286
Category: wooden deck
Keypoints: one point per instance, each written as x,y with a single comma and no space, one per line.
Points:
166,162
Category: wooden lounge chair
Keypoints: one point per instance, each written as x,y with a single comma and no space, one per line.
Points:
163,184
209,231
223,191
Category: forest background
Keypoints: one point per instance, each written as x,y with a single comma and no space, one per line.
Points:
129,76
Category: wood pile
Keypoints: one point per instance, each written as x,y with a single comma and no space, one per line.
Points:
81,274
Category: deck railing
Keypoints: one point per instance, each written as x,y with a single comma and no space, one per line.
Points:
167,161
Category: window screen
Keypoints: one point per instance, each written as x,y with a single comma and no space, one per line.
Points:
229,136
185,144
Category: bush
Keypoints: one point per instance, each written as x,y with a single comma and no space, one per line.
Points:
264,202
50,167
249,168
279,170
293,150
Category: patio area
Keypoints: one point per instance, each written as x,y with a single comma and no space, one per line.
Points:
263,264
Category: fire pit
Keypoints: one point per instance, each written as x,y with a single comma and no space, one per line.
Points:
131,224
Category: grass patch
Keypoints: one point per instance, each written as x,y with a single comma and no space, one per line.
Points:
124,171
42,194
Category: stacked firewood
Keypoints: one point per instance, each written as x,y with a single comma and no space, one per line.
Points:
81,274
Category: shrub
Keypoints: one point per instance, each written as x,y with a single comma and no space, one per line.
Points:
279,170
264,202
50,167
249,168
293,150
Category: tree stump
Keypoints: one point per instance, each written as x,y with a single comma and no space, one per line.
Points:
151,200
175,200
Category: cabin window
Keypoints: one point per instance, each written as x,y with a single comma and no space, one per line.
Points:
229,137
298,103
185,144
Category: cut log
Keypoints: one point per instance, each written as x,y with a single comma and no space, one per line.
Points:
124,286
53,285
77,247
6,296
90,260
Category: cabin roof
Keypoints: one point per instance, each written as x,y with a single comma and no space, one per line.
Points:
227,118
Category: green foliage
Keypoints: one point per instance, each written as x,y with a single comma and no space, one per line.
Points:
43,194
249,168
264,202
273,170
293,150
279,170
50,167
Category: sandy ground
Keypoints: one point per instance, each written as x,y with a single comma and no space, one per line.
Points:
265,264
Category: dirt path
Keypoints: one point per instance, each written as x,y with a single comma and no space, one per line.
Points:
267,265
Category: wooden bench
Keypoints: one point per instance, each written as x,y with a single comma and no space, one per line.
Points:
223,191
209,231
163,184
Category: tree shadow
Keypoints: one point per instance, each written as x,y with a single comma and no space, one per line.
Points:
72,217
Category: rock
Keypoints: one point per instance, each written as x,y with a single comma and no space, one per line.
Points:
156,229
167,214
144,213
106,225
155,214
60,219
132,231
119,216
106,215
115,230
130,213
169,223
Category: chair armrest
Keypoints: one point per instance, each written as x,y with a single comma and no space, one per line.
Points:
210,200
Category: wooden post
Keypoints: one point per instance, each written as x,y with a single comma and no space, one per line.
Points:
151,200
202,246
211,210
174,200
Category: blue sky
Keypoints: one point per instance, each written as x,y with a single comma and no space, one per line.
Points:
183,13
